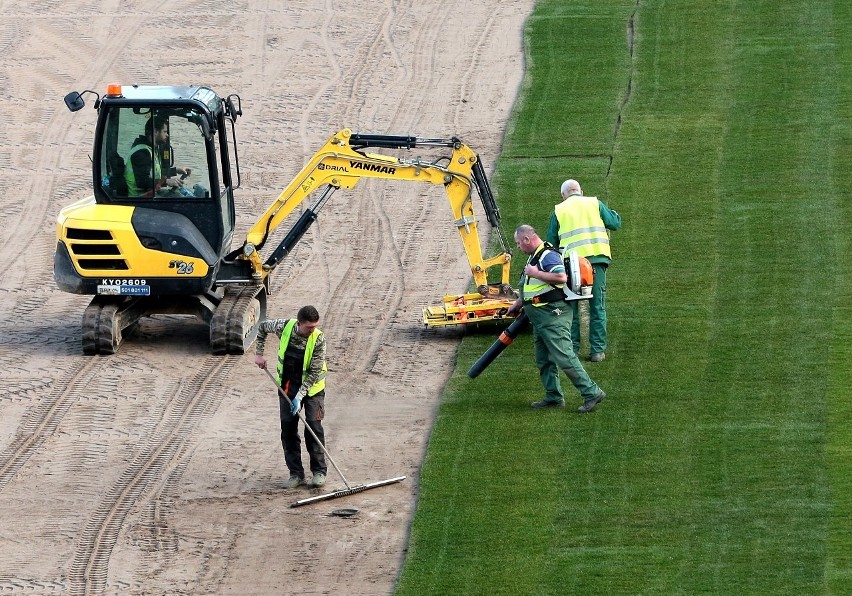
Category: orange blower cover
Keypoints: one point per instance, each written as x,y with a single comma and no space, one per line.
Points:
587,274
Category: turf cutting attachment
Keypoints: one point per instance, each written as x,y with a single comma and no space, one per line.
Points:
349,490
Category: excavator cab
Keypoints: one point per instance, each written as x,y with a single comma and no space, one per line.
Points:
148,136
185,209
138,167
153,235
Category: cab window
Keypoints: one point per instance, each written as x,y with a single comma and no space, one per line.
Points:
154,153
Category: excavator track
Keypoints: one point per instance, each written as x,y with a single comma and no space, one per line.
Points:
107,320
236,319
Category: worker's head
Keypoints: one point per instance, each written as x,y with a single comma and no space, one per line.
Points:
158,129
307,320
527,239
570,187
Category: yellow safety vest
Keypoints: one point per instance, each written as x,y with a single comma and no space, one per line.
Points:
581,227
130,176
309,352
532,288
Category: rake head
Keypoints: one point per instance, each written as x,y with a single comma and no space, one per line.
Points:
358,488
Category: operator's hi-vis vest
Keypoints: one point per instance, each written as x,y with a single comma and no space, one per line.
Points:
309,352
581,227
130,176
535,291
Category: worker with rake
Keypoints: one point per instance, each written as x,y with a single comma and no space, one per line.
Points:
301,375
542,298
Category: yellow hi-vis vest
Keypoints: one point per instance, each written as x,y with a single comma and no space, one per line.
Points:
581,227
309,352
533,289
130,176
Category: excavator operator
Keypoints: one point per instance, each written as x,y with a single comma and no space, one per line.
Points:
145,176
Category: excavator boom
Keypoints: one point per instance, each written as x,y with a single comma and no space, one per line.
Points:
342,163
339,165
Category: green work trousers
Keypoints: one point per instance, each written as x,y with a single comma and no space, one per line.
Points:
597,314
553,351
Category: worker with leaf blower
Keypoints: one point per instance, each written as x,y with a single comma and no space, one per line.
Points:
542,298
301,375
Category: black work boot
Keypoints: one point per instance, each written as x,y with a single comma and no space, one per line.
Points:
592,403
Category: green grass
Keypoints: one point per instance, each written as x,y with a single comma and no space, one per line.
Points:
720,464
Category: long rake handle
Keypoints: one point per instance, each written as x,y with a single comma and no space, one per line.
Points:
308,428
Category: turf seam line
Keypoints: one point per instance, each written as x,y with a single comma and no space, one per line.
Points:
631,53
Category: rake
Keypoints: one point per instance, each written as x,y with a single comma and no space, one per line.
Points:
350,489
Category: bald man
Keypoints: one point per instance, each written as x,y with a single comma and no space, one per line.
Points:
580,223
542,298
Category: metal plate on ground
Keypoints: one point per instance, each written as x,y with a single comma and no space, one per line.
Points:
346,512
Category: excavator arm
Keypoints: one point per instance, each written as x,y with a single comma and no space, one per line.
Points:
341,163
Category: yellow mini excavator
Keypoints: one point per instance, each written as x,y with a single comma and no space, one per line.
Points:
155,237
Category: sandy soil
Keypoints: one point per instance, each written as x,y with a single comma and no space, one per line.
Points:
159,470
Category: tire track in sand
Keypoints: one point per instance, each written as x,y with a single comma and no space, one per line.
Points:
43,420
163,455
377,263
431,279
306,260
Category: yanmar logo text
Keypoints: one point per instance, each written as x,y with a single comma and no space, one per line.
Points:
372,167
